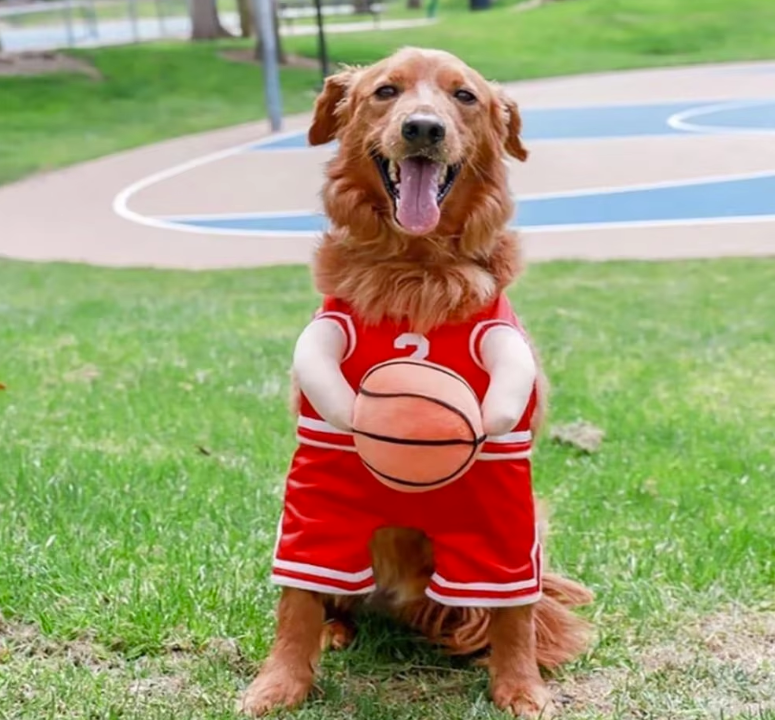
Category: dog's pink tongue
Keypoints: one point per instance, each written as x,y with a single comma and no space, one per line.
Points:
418,210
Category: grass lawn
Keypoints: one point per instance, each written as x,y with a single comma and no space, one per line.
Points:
577,36
145,439
147,93
157,91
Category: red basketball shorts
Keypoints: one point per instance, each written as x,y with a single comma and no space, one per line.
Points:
482,527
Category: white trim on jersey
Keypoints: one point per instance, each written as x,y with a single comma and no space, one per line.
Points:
293,582
322,572
518,436
478,331
490,457
487,602
322,426
331,446
278,535
486,587
351,336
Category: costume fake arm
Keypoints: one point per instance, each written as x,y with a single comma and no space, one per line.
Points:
508,359
316,364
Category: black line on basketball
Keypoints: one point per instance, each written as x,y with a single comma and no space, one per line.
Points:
409,483
418,363
416,441
419,396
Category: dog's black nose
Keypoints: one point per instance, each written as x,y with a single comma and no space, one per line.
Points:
423,130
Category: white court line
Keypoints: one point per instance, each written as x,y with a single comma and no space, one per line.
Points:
599,190
525,230
121,201
176,222
678,121
239,215
656,185
634,224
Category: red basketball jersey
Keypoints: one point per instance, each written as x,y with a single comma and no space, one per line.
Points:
455,346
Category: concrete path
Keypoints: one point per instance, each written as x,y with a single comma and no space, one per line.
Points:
653,164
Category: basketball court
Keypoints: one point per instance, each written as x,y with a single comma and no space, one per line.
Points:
651,164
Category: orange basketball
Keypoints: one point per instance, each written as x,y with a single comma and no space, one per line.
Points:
417,425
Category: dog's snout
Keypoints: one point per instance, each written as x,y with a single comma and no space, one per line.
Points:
423,130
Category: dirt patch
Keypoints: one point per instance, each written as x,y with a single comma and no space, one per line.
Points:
157,686
720,665
44,63
20,640
85,373
581,435
24,641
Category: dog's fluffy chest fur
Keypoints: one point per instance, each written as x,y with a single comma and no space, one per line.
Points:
427,285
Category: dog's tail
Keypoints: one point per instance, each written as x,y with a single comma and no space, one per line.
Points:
561,635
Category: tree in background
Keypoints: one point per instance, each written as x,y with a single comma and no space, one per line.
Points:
245,11
205,23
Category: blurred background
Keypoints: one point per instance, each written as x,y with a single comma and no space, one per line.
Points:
81,78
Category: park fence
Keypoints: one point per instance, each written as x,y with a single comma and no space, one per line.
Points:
43,25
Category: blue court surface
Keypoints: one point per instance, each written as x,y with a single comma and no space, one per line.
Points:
720,198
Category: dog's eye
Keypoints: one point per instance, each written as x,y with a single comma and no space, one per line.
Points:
465,97
385,92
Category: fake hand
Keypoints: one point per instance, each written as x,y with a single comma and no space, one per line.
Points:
510,363
316,364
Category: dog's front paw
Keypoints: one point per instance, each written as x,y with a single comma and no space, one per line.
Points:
527,699
275,688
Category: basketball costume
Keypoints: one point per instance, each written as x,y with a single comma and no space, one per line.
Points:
482,527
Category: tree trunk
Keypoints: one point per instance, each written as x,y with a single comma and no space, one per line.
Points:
245,10
414,4
362,7
282,58
205,24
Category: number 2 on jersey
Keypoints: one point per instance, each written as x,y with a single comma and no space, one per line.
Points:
422,347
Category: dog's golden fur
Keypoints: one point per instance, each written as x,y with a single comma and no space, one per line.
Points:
382,271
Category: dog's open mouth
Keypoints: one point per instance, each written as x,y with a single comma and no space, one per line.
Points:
418,186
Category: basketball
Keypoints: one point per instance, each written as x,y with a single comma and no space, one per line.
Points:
417,425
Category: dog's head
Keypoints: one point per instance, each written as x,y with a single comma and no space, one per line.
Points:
422,138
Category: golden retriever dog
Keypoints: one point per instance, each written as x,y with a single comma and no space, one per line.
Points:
419,206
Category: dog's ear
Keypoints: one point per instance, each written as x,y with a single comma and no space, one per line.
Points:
328,114
513,141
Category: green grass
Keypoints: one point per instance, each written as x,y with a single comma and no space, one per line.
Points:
145,440
153,92
577,36
147,93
